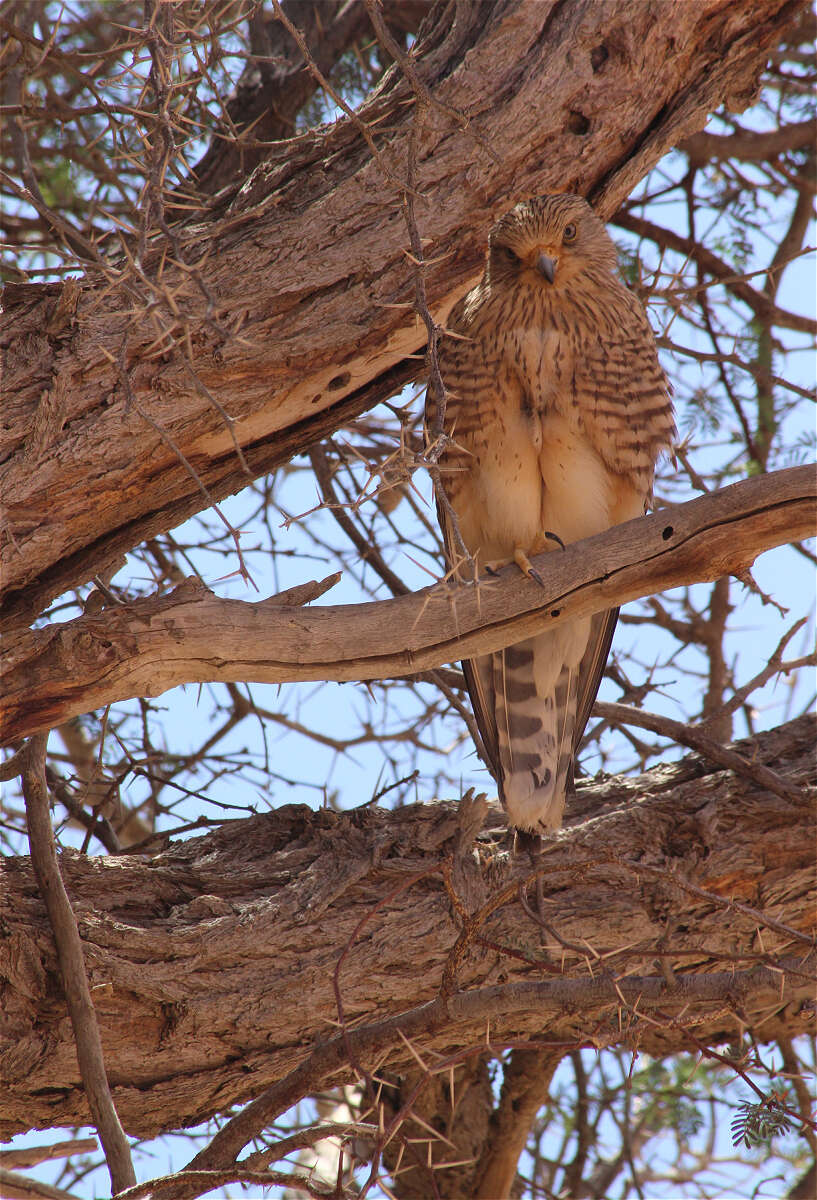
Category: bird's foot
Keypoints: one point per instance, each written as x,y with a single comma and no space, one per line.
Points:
533,845
523,562
522,559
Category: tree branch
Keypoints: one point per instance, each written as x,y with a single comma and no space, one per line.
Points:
236,935
760,304
525,1088
150,645
696,739
749,145
21,1187
72,969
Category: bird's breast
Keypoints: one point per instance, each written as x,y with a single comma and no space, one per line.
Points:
542,356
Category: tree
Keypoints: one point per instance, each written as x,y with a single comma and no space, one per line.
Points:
237,231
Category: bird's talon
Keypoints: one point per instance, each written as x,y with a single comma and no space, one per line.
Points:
554,537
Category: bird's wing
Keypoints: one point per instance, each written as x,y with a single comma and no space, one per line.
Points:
478,672
602,628
591,670
627,416
469,382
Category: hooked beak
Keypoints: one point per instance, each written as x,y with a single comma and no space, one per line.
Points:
546,266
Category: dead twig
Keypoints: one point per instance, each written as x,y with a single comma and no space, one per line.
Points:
689,735
72,968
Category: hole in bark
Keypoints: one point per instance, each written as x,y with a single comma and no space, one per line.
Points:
578,123
554,612
339,381
598,57
667,533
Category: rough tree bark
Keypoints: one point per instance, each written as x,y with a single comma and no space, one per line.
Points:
101,400
274,86
212,963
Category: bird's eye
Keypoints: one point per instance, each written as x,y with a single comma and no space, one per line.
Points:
569,234
510,255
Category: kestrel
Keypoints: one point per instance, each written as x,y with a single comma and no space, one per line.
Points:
557,410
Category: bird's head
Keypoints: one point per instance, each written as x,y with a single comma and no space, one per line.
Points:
549,241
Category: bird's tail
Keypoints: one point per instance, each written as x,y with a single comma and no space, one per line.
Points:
535,690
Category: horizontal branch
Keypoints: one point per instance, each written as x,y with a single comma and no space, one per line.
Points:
213,961
694,738
489,1005
145,647
750,145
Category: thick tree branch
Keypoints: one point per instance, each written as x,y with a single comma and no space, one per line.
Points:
235,938
492,1006
153,644
111,383
274,86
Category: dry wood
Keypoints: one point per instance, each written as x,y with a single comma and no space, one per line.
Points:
154,644
211,964
72,970
110,382
21,1187
31,1156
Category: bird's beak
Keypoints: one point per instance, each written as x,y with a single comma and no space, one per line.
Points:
546,266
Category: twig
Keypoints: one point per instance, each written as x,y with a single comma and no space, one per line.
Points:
688,735
72,968
342,1130
185,1185
12,1183
775,666
793,1074
724,902
367,550
421,91
317,74
757,301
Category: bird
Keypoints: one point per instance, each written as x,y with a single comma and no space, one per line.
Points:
556,413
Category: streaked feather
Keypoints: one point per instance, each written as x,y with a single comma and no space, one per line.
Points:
559,409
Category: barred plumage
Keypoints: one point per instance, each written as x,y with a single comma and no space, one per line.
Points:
558,410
